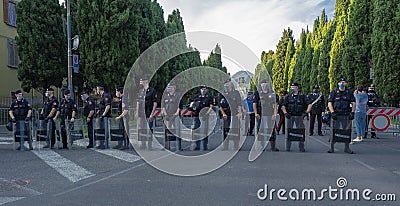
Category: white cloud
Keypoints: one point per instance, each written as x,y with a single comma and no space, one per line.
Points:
257,23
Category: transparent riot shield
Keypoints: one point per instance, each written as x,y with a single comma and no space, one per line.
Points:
264,130
202,128
341,129
21,134
144,132
231,128
117,130
295,131
172,131
58,133
41,132
101,131
44,132
74,131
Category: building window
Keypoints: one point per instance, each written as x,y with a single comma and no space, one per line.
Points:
9,12
13,59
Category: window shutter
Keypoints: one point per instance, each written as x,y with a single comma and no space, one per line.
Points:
5,11
16,57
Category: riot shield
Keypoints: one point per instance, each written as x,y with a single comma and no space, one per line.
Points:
74,131
295,129
21,134
117,130
341,129
101,130
144,132
172,131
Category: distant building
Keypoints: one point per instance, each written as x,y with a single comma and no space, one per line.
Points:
242,81
9,59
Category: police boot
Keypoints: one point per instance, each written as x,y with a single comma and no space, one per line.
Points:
332,146
301,146
236,144
30,145
273,146
150,145
288,145
347,148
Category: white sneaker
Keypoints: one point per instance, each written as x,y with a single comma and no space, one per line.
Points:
357,140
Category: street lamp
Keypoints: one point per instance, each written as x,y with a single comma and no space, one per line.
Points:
75,46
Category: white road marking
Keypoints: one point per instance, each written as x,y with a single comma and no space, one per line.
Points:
125,156
396,172
364,164
65,167
5,200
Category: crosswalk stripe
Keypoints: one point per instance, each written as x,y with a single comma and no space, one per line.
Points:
65,167
124,156
5,200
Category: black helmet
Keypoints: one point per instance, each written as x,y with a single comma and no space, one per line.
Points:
326,118
9,126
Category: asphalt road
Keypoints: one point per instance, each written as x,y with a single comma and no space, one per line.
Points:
90,177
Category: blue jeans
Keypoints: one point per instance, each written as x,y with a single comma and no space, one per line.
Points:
360,120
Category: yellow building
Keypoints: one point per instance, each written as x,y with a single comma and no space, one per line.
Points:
8,51
9,55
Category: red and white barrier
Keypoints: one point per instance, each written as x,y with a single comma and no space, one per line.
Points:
383,110
184,112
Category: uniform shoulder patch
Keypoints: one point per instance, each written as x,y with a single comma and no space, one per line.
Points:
74,105
54,103
89,102
106,99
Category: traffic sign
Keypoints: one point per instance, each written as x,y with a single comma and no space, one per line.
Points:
75,61
380,122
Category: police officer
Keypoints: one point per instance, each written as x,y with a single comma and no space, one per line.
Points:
171,108
67,111
373,101
281,123
104,111
265,105
249,110
295,104
341,102
122,112
317,101
21,110
88,112
229,102
147,101
49,112
200,101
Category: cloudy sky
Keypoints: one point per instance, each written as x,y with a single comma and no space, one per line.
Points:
257,23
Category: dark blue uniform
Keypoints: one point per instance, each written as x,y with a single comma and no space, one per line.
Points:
50,104
295,105
20,109
105,100
229,102
146,100
316,111
200,102
373,101
171,103
66,108
266,103
89,106
342,106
